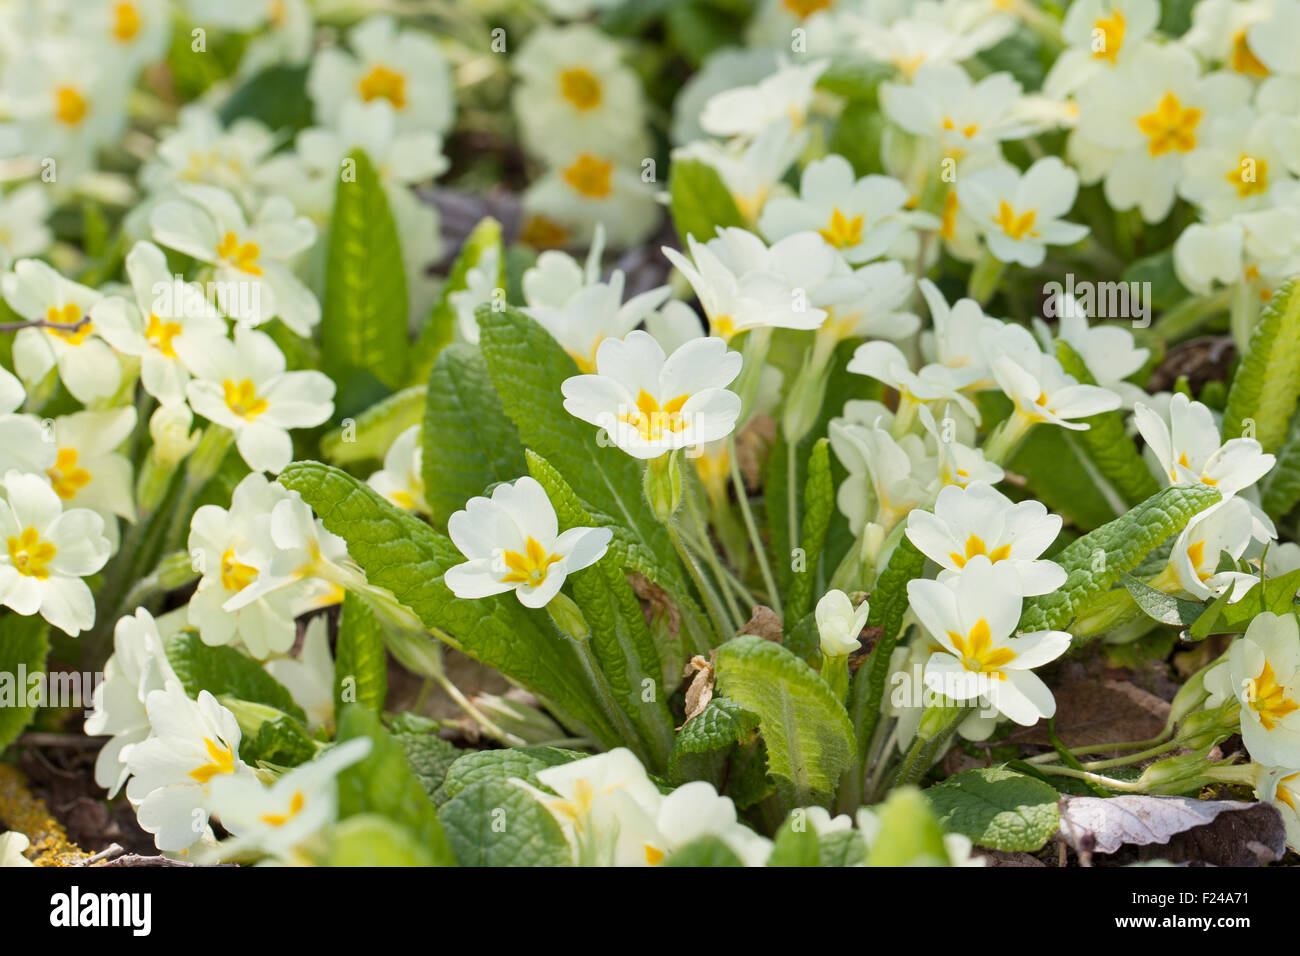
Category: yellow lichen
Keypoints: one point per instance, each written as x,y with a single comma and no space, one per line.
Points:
21,810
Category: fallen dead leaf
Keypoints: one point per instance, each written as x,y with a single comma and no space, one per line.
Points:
700,691
765,623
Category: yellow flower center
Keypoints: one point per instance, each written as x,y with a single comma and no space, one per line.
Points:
30,555
589,176
1250,176
1170,126
383,83
969,130
70,107
296,803
653,855
948,227
1284,794
126,22
1243,59
234,575
580,88
69,315
975,545
223,761
242,400
542,233
724,326
1110,30
1196,554
65,476
1268,698
806,8
530,567
1015,226
978,653
908,65
651,419
842,232
242,256
160,335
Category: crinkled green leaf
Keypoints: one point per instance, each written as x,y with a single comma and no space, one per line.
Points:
496,823
282,742
277,96
702,746
430,757
1280,488
363,315
819,505
469,443
997,807
808,734
24,642
360,660
701,203
406,556
620,639
384,783
223,671
1107,443
520,763
369,435
703,851
1094,562
1267,384
439,330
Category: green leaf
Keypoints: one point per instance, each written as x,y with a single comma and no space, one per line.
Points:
1060,473
1157,270
407,557
858,136
909,834
842,848
1107,443
620,639
360,661
528,368
997,808
1267,384
1094,562
374,430
888,604
277,97
24,643
819,505
495,823
703,851
854,77
223,671
440,329
701,203
518,763
469,443
808,734
698,29
370,840
1280,488
364,314
1276,595
430,757
795,843
1160,606
384,783
700,747
282,742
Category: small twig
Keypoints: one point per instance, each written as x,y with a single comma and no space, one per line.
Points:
135,859
45,324
108,852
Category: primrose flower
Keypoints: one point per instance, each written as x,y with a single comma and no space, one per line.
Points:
1279,786
23,444
964,118
201,149
887,477
253,278
1187,448
1226,528
404,67
309,677
23,232
278,820
886,363
1020,214
12,845
1040,389
979,520
751,170
513,543
190,744
839,623
133,32
649,404
973,616
232,549
48,553
957,460
137,667
747,110
590,187
83,354
957,340
1101,35
88,471
932,32
743,284
578,309
401,480
243,386
1107,350
1262,671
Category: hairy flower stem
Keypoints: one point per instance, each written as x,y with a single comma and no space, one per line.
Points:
930,745
712,603
755,539
711,557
